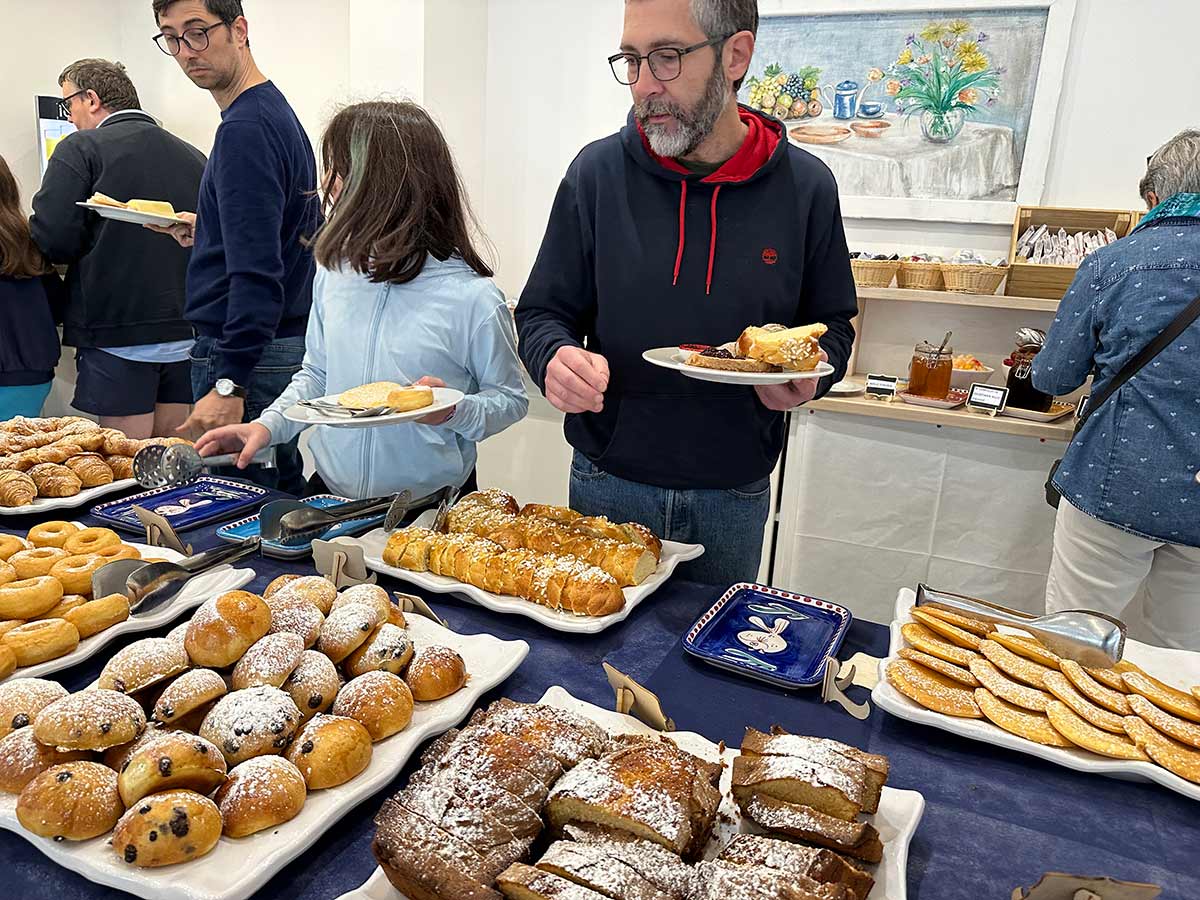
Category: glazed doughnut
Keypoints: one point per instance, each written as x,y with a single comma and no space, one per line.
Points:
379,701
29,597
36,562
97,615
260,793
313,684
330,750
316,590
295,616
346,630
175,761
10,544
51,534
90,720
223,629
72,801
41,640
7,572
8,662
91,539
188,693
389,648
75,572
370,594
64,606
7,625
258,721
22,757
115,552
435,672
23,698
279,583
167,828
270,661
142,664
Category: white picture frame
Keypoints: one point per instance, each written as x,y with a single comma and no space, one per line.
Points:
1036,158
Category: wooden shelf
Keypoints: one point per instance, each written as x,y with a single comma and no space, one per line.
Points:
953,418
987,301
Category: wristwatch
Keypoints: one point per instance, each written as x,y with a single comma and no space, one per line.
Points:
226,388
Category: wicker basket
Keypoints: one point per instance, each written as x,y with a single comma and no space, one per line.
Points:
874,273
973,279
921,276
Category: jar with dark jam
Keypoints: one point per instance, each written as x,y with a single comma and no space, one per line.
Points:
1021,392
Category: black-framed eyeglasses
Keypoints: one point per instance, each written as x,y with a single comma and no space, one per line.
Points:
195,38
64,105
665,62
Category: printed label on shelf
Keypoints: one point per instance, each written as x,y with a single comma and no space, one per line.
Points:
987,398
882,386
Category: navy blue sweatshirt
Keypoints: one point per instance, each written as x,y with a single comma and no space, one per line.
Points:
640,254
250,277
29,307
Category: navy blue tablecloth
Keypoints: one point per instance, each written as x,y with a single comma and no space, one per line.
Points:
994,819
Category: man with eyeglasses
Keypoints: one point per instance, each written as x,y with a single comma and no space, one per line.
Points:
249,285
696,220
125,314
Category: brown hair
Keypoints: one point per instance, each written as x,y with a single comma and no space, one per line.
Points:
107,80
225,10
19,256
401,195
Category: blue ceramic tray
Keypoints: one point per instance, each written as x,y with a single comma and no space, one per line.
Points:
774,636
200,502
238,531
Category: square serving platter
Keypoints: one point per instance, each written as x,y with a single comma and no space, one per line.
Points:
775,636
200,502
897,819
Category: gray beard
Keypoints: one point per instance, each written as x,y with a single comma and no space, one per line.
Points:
691,126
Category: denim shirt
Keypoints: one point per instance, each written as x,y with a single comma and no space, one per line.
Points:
1134,462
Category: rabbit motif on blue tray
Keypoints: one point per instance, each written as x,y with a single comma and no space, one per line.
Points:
768,640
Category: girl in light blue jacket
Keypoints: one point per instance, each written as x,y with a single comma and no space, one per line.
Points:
400,295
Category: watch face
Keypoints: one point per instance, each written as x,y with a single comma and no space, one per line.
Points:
224,387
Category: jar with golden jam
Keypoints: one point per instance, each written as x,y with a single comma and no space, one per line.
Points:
930,371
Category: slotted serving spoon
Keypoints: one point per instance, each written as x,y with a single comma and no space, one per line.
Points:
150,585
157,466
1090,638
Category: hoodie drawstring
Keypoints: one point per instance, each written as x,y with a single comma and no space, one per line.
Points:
682,228
712,241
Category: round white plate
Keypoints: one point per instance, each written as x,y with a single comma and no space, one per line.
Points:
133,217
846,388
443,399
672,358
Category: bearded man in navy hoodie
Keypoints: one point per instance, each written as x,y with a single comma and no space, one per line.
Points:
694,221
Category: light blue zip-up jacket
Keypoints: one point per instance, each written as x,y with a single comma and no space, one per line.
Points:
448,322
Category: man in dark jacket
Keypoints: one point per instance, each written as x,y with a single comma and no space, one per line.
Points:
695,221
125,314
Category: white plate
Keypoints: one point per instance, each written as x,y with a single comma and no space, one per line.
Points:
897,818
1031,415
846,388
673,358
443,399
218,581
1173,666
133,217
374,542
237,867
83,498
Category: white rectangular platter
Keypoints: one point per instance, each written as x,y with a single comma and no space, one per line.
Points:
1177,667
897,818
196,591
237,867
374,542
83,498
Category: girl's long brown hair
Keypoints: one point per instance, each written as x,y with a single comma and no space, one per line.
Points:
19,256
401,196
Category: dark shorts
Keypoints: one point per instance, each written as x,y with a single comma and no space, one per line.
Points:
108,385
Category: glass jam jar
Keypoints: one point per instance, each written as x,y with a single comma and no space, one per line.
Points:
930,371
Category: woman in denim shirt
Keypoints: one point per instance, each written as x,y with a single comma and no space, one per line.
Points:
1130,522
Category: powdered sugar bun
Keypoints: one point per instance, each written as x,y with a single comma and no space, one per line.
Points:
223,628
176,761
370,594
313,684
278,583
72,801
270,661
142,664
296,616
187,693
347,629
23,698
330,750
22,757
260,793
389,648
93,719
258,721
379,701
316,590
435,672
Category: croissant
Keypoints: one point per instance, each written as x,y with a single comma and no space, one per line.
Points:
91,469
122,466
21,425
16,489
53,480
557,582
76,426
88,441
58,453
117,444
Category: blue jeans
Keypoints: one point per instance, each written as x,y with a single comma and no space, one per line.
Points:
729,523
280,360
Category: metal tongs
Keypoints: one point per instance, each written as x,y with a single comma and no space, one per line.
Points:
295,522
350,412
150,585
158,465
1090,638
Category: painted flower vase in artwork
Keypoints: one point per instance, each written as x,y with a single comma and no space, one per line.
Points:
942,127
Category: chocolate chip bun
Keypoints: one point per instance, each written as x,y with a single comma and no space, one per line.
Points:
175,761
260,793
73,801
330,750
90,720
167,828
259,721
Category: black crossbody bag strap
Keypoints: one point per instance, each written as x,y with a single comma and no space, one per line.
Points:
1177,327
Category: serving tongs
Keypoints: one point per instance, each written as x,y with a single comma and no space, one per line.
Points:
148,585
293,522
158,465
1090,638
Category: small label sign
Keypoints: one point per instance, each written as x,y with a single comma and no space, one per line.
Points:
882,387
986,398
